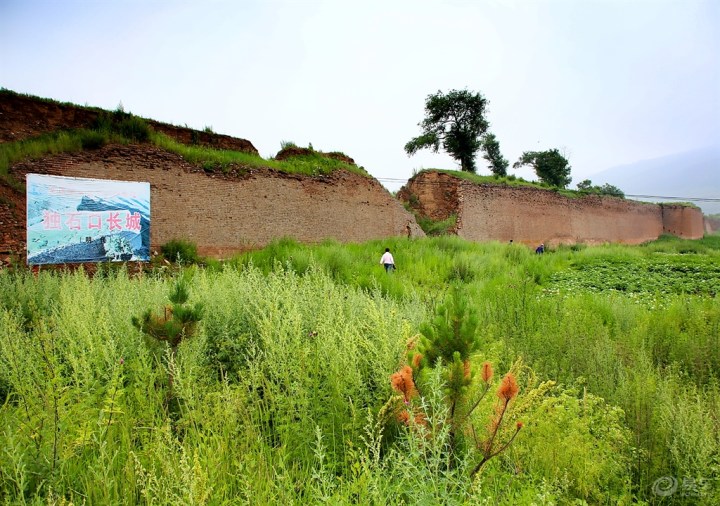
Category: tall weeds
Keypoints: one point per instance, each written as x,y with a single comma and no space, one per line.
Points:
286,395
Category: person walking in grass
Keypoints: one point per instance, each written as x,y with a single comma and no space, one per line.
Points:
388,261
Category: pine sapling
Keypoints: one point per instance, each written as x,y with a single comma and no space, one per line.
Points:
177,322
450,341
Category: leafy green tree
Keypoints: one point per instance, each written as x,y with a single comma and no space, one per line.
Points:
550,166
491,149
456,121
586,186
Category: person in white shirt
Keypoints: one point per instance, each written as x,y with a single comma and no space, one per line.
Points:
388,261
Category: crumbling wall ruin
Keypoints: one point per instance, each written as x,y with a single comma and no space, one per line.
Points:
533,215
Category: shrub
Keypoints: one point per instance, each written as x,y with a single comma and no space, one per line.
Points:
134,128
181,251
438,227
103,122
575,441
93,139
462,270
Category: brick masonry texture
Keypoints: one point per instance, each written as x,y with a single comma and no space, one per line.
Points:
224,214
532,215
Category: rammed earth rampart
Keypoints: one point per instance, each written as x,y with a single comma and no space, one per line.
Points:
533,215
225,214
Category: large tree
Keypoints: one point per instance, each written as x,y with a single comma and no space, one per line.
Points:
456,121
550,166
491,152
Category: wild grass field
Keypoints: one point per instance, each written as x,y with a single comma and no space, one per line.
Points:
301,382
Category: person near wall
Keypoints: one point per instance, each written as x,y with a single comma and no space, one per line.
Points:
388,261
540,249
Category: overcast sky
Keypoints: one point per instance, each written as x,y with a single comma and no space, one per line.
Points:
609,82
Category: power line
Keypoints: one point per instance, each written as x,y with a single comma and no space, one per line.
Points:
695,199
686,199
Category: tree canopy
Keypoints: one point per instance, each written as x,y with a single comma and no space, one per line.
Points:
550,166
491,152
586,186
456,121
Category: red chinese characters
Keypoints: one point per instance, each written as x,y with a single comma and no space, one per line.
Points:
108,221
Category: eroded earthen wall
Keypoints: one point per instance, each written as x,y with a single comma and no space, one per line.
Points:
533,215
712,225
23,117
683,221
432,194
223,215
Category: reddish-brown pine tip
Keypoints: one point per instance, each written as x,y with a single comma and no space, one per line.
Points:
402,381
487,371
417,358
508,387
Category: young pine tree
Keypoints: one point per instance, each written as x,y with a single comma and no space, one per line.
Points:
450,341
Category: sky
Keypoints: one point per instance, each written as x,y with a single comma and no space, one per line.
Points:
608,82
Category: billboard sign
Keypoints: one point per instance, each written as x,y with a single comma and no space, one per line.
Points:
71,220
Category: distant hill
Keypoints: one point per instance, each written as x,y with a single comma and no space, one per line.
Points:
689,174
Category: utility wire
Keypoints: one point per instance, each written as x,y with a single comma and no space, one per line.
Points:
696,199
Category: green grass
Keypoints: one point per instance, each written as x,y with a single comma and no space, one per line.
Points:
510,180
5,91
225,160
283,395
480,179
433,228
210,159
124,128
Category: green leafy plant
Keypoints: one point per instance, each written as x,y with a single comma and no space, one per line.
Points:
585,186
550,166
449,342
134,128
437,227
181,251
93,139
284,390
174,324
456,121
491,153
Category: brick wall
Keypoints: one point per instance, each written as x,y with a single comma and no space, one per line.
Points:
532,215
223,214
712,225
682,221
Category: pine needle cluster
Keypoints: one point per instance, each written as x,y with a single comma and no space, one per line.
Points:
450,341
